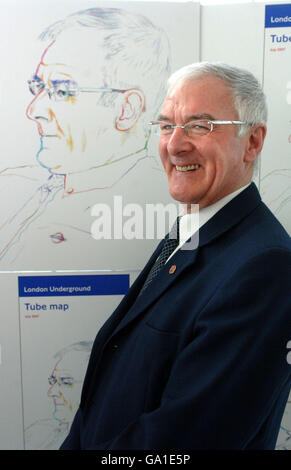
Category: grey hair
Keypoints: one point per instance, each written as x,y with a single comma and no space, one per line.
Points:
136,52
248,96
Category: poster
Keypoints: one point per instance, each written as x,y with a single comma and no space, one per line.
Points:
81,82
275,178
56,341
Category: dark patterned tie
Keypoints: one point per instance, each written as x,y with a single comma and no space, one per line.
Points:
170,243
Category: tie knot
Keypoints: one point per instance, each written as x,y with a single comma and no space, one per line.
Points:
170,243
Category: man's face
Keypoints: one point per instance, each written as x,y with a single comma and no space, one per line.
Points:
76,132
65,386
219,154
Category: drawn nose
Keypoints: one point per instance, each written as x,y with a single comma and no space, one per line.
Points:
50,390
38,110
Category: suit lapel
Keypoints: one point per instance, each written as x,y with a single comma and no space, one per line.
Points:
128,300
113,321
230,215
223,220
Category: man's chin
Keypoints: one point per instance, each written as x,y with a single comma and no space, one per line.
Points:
51,169
48,163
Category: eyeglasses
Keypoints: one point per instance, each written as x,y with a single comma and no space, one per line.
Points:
60,90
191,128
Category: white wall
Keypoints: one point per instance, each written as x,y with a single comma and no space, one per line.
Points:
234,34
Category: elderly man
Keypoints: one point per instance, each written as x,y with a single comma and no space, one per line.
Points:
196,359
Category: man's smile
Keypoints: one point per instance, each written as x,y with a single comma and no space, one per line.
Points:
187,167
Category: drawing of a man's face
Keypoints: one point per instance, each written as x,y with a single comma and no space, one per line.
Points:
65,385
77,123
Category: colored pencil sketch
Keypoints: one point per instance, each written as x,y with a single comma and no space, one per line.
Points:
92,98
64,391
284,438
276,193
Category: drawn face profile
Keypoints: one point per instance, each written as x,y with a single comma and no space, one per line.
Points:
80,122
65,385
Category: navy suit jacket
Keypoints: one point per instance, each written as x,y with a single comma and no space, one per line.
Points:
199,359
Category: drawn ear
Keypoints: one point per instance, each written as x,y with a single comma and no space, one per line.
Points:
132,105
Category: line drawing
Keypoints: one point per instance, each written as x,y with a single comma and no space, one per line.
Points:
90,106
64,390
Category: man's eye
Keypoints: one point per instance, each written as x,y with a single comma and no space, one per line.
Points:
198,126
67,381
166,127
62,91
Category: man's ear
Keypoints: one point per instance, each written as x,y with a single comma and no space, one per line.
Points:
255,141
132,105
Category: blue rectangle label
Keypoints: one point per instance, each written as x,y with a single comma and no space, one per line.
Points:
98,284
278,16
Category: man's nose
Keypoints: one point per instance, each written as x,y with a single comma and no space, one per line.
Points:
50,390
54,390
39,107
179,142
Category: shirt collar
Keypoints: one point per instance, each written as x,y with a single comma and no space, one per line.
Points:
191,223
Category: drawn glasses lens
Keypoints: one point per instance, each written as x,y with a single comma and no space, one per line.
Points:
35,86
58,91
62,91
52,380
66,381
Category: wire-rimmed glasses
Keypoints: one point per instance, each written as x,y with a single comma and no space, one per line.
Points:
191,128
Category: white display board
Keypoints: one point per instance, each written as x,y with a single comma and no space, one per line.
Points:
275,177
58,318
98,73
80,82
